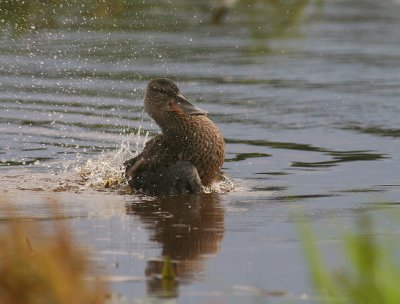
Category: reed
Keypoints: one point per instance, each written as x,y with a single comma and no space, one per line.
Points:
37,266
372,273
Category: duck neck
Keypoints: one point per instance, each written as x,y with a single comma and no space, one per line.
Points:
177,128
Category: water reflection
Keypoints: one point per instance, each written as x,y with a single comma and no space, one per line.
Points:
374,130
336,157
189,229
264,18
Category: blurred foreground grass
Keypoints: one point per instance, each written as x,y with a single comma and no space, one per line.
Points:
372,273
37,266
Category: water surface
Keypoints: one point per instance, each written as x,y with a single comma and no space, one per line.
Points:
308,105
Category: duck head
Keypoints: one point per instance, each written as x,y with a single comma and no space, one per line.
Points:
163,99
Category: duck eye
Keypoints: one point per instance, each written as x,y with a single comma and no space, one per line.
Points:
160,90
165,91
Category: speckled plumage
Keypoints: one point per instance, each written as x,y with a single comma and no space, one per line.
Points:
188,135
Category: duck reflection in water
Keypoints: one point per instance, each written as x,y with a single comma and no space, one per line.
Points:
189,228
189,152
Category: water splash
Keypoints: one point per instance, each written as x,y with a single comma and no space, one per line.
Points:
108,170
224,184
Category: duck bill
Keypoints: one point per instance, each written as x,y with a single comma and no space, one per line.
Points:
182,105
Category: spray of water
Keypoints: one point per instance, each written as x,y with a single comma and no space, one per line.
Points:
222,185
108,170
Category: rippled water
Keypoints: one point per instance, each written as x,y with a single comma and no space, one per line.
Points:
309,111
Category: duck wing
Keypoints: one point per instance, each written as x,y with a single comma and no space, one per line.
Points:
152,154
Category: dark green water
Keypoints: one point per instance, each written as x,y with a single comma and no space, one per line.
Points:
307,100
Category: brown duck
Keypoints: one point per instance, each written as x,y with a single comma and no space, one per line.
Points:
186,156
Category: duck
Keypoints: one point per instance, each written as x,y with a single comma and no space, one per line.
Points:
188,154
